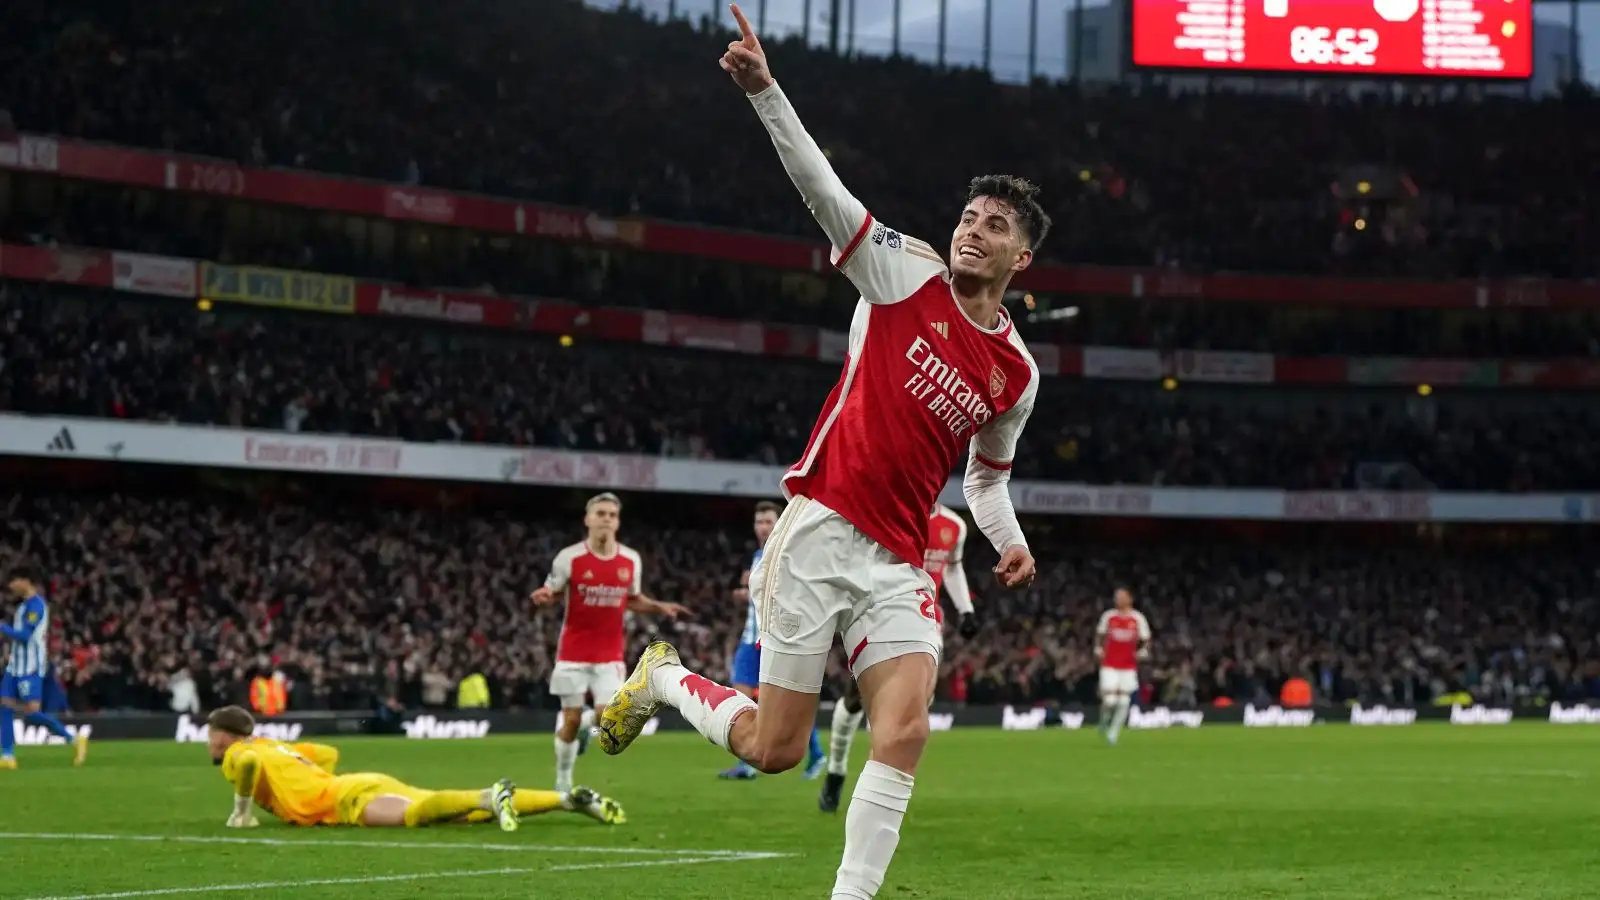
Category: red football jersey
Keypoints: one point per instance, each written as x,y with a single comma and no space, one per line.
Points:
947,534
1122,633
597,589
922,384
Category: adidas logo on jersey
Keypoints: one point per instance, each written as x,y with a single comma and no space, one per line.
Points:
942,327
62,443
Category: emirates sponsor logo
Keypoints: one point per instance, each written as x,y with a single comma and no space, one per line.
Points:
311,454
429,306
961,407
603,594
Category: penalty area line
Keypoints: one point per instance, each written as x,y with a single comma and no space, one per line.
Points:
268,885
677,861
384,845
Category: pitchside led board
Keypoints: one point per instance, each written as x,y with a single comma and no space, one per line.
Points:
1456,39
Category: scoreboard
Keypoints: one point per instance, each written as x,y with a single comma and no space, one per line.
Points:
1430,38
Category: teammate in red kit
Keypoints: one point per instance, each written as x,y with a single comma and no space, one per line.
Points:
598,578
947,535
934,368
1121,639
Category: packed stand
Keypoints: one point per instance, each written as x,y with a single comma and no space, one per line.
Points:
609,111
82,353
360,606
1397,626
356,605
104,216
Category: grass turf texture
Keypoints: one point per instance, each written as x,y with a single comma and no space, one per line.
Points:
1226,812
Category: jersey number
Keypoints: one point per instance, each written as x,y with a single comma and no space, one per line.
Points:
930,607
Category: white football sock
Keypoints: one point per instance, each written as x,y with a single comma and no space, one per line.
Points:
586,721
872,830
1119,716
845,724
708,707
566,758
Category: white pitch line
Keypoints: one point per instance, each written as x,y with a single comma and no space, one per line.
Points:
265,885
680,861
394,845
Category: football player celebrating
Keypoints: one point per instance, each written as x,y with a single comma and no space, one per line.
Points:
943,375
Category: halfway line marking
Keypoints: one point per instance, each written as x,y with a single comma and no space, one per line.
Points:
395,845
264,885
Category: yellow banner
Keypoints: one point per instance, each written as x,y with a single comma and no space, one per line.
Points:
278,287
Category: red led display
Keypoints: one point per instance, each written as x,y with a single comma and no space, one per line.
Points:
1437,38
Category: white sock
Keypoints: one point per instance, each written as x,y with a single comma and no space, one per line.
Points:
566,758
845,724
586,721
707,706
872,830
1119,717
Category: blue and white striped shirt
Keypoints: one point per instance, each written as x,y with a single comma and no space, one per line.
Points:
752,621
29,632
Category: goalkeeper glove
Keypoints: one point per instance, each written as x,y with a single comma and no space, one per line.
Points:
242,816
968,625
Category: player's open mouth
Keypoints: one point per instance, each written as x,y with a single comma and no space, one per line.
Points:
970,253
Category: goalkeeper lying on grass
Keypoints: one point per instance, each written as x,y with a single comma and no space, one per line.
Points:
295,782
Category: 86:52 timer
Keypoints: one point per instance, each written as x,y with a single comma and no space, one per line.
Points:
1320,46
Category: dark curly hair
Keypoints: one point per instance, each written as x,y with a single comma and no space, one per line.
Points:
1023,195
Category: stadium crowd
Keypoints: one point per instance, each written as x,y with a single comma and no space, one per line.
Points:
515,100
104,216
361,605
74,352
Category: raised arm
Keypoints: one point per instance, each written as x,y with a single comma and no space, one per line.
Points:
884,264
843,218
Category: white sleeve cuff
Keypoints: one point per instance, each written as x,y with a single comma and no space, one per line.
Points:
988,496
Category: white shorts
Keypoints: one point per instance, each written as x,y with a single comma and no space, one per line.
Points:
1119,681
571,680
821,576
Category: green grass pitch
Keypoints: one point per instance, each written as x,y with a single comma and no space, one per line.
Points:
1327,812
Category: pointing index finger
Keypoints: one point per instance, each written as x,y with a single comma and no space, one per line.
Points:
748,33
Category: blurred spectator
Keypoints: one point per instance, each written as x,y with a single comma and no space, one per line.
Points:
364,607
94,354
620,114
